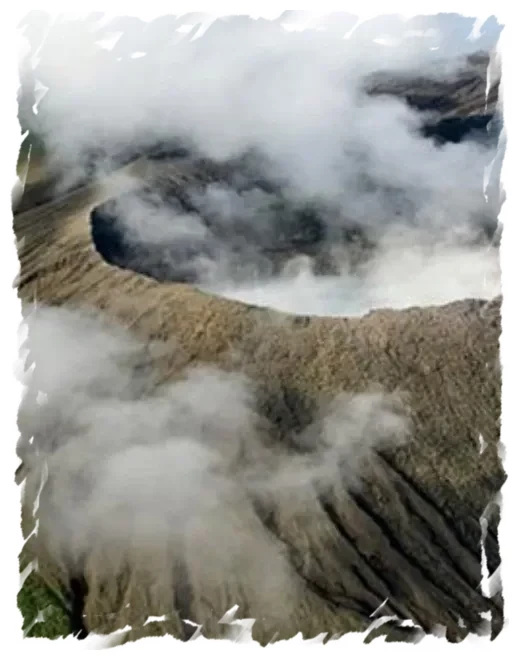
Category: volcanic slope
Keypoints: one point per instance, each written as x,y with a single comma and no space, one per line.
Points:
409,537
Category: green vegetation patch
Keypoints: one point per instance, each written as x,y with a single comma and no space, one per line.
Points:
44,614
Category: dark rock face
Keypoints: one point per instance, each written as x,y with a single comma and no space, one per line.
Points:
459,91
456,129
463,106
78,594
173,261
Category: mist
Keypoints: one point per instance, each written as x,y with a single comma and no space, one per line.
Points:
241,85
137,474
396,280
296,99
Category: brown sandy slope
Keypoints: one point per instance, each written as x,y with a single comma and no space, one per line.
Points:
411,534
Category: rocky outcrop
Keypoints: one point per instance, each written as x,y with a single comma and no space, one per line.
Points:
462,103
